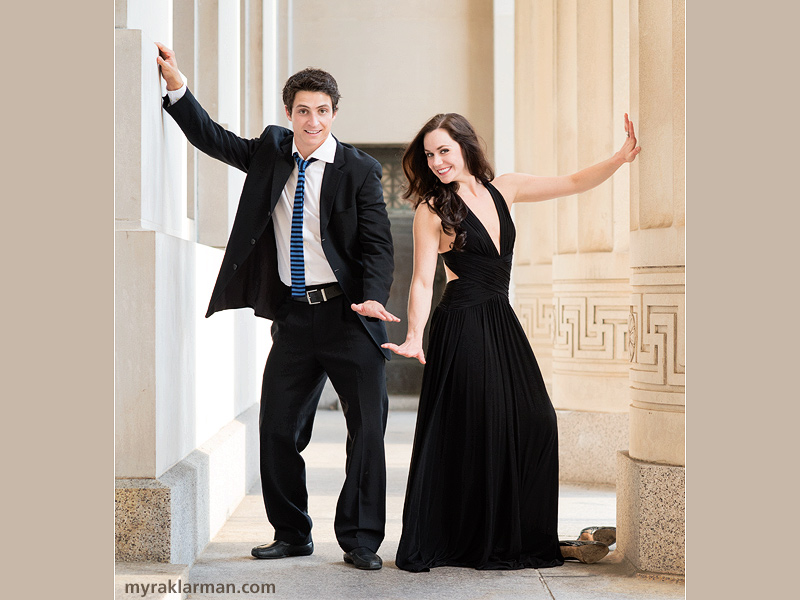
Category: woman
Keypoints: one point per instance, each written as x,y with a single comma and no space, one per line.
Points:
483,482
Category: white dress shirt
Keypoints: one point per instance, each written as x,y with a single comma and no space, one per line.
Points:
318,271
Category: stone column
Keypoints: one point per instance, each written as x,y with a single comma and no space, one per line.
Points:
590,265
212,175
185,42
186,395
650,477
252,68
535,154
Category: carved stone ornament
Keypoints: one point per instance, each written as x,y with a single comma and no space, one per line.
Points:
632,335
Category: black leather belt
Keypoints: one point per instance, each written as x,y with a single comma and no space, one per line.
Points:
320,293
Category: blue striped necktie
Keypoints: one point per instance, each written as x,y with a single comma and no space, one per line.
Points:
296,260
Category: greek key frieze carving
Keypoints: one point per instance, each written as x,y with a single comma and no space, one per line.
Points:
659,356
535,314
593,327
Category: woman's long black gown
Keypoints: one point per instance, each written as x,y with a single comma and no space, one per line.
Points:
483,482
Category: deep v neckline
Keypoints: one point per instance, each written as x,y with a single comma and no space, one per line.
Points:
497,247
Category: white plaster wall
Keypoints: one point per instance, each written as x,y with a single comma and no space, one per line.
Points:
229,64
175,343
214,352
247,371
134,356
263,346
271,105
229,91
152,16
157,201
180,378
231,348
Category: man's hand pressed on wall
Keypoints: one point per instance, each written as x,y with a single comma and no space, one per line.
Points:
169,67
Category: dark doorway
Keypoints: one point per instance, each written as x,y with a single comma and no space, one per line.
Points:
403,375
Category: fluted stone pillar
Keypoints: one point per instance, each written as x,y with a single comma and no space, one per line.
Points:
535,114
650,478
252,67
212,175
185,43
590,262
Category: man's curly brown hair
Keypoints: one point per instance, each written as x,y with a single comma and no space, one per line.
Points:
310,80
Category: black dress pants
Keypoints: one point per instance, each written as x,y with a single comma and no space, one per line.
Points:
308,343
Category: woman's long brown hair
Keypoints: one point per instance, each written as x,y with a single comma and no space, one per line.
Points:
425,186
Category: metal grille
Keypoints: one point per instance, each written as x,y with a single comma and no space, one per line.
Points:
393,179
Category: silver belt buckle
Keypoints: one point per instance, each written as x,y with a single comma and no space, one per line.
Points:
321,292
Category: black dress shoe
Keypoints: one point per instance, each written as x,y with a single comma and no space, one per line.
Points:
279,549
363,558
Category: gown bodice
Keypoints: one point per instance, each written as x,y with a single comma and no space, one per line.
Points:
482,271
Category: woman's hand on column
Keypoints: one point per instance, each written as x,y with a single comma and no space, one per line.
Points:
629,149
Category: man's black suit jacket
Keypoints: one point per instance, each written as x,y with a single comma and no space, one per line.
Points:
354,226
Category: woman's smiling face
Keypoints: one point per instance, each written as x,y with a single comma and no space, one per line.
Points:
444,156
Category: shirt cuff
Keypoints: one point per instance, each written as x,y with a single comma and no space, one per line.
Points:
175,95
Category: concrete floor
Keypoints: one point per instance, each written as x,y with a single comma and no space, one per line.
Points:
324,575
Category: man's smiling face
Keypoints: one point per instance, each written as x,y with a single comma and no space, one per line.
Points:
311,117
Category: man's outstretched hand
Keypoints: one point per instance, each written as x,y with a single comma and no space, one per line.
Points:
373,308
169,67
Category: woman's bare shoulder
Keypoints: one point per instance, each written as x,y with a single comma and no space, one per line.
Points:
426,214
507,184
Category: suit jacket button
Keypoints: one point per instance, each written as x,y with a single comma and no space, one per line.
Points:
253,242
235,266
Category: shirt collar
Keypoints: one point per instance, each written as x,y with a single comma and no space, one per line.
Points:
326,152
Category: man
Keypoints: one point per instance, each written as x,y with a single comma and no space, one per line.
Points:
310,249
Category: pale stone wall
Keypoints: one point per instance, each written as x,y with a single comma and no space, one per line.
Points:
535,154
651,474
400,63
152,207
600,277
571,267
590,266
187,388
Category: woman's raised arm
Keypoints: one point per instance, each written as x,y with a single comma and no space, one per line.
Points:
519,187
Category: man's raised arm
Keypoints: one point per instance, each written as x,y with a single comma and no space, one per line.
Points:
200,129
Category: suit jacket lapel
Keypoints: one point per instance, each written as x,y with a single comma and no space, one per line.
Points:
284,164
330,184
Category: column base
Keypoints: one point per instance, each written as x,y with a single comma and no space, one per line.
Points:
651,521
171,519
142,520
588,443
